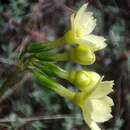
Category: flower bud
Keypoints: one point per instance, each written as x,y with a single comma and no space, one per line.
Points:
82,55
84,80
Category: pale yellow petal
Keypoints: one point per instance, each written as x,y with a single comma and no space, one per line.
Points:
102,89
93,42
72,21
84,22
99,109
80,12
108,100
87,23
93,125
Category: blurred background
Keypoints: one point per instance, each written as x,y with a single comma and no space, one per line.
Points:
31,107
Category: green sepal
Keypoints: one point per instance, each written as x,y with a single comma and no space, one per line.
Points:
38,47
45,46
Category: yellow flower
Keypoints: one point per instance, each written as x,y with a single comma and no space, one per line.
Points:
82,55
82,25
96,105
84,80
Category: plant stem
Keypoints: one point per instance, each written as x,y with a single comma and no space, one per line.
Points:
59,89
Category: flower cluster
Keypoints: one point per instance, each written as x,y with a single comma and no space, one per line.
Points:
92,96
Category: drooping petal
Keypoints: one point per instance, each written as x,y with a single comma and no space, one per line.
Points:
94,42
102,89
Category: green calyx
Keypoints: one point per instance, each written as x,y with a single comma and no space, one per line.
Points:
82,56
46,46
84,80
51,68
59,89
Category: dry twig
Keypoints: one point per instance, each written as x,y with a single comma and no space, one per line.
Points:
16,86
38,118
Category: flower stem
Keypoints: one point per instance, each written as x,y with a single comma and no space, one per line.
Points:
51,56
59,89
51,67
